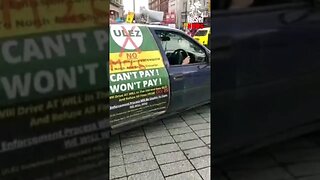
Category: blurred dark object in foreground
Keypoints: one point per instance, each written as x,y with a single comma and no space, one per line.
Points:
266,85
53,90
294,159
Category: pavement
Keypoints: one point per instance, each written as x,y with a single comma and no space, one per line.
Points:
295,159
176,148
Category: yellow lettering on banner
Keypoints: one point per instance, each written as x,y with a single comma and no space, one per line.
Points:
22,17
129,62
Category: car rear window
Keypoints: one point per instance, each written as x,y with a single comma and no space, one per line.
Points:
201,33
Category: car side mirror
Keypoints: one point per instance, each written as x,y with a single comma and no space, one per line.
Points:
165,38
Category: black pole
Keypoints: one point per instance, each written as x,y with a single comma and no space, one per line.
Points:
186,10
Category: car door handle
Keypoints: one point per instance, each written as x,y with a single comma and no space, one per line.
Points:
178,77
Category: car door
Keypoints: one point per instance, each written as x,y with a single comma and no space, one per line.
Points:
190,83
261,70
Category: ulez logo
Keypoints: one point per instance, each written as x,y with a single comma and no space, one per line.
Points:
127,37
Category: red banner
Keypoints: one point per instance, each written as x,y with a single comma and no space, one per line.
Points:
170,18
195,25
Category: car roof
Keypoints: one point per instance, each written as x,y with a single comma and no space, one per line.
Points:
145,25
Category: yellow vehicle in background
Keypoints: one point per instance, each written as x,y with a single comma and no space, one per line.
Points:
203,36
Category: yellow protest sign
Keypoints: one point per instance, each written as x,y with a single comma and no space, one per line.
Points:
142,61
130,17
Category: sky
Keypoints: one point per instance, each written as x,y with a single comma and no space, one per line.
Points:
128,5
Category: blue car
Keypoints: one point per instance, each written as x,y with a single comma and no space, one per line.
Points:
155,71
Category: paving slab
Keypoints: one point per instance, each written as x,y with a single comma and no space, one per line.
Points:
142,166
170,157
191,144
135,148
197,152
117,172
176,167
205,173
138,156
201,162
192,175
185,137
161,141
165,148
152,175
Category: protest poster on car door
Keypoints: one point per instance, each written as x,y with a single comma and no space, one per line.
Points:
53,89
139,81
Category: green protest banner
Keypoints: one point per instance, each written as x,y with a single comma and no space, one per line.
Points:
139,81
51,65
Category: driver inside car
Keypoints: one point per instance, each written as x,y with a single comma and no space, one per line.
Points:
176,53
179,57
186,60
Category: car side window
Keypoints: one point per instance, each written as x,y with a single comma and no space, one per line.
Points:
180,49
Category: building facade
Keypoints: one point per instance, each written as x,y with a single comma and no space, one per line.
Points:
172,6
154,5
159,5
205,9
116,9
180,9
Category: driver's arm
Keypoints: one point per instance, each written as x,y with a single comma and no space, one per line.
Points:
186,60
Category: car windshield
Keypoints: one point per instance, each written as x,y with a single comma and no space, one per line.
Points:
201,33
174,41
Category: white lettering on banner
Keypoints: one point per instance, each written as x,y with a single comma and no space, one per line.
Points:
67,79
150,83
119,35
195,19
129,86
147,73
6,47
125,87
46,48
91,69
57,47
31,50
132,75
129,104
46,81
123,76
79,37
47,77
102,39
